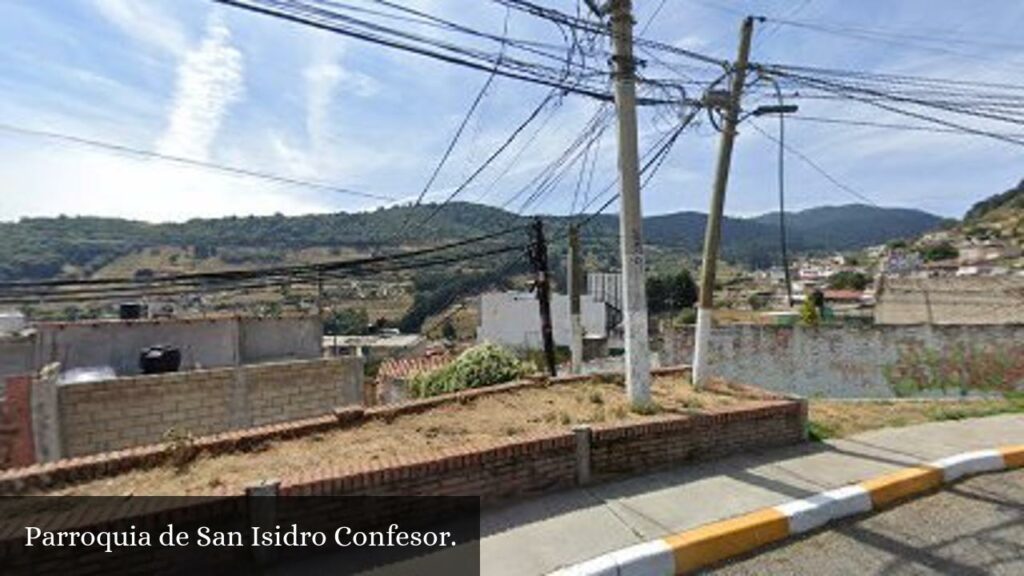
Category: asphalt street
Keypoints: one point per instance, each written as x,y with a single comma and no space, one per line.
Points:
971,528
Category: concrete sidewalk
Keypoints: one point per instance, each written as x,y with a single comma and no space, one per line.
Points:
541,535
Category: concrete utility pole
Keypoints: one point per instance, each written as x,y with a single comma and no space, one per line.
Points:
575,281
713,232
638,369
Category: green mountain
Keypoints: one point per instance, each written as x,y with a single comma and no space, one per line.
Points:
852,226
1012,199
48,247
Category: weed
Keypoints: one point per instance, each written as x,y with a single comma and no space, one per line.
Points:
818,432
645,408
181,449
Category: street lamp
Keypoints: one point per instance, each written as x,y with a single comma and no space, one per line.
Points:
781,109
778,109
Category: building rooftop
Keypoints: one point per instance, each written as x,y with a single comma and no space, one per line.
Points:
374,340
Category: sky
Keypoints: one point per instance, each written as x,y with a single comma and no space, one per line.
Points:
212,83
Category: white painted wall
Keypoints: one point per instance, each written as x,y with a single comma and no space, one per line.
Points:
513,319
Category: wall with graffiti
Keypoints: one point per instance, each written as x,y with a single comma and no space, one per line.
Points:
863,361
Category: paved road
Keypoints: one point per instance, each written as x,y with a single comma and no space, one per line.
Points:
538,536
974,527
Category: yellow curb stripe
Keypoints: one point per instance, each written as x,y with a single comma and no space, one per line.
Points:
896,486
715,542
1013,456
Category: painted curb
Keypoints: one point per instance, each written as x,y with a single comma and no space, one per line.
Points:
710,544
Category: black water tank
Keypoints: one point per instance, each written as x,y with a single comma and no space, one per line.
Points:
132,310
160,359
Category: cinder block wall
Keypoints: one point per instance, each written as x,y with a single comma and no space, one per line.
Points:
125,412
853,361
204,342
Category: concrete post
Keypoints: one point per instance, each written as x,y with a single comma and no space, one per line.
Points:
46,433
583,436
575,280
631,237
261,503
713,233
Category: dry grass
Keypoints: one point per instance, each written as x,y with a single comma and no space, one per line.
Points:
486,420
829,419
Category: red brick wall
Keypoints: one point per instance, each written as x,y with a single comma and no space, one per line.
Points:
672,440
524,467
16,444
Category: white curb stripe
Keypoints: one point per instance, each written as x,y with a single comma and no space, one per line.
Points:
648,559
955,467
658,557
810,513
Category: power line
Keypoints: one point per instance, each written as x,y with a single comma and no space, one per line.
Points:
262,272
909,40
840,89
887,125
814,165
458,134
233,170
660,150
317,16
494,155
262,282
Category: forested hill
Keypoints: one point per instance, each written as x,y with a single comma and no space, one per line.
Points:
45,247
1010,201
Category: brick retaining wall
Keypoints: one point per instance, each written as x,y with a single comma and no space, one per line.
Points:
514,469
519,467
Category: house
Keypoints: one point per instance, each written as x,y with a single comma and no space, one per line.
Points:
375,346
844,296
951,300
202,342
395,374
513,319
987,251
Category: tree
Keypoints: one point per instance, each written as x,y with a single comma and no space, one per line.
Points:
448,331
671,292
848,280
758,301
938,251
347,321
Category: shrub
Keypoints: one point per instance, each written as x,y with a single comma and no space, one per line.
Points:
483,365
809,312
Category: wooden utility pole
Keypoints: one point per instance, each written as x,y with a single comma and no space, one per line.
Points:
713,232
638,356
575,281
320,294
539,257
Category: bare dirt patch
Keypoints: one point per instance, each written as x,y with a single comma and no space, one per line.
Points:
481,421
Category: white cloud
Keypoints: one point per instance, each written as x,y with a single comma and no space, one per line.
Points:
145,23
210,80
79,181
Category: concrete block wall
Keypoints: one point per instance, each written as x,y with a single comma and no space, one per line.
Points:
204,342
17,355
861,361
124,412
